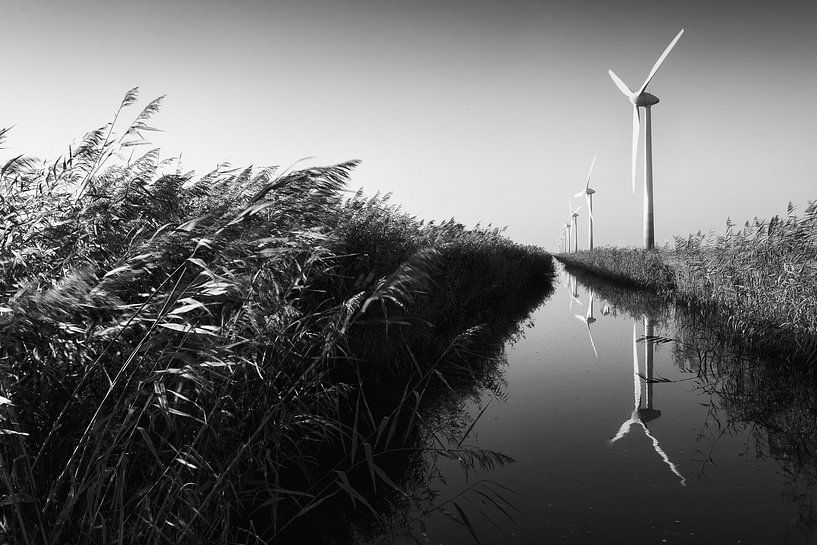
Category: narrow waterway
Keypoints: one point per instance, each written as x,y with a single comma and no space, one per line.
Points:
620,436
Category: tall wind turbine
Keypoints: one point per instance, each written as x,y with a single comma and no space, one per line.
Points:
588,194
646,100
574,214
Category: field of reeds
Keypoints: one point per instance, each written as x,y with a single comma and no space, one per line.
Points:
217,358
760,279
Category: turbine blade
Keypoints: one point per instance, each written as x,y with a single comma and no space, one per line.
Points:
636,131
589,208
620,84
579,194
663,455
660,60
589,173
623,430
589,334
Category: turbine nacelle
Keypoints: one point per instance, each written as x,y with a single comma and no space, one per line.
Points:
574,213
648,415
644,100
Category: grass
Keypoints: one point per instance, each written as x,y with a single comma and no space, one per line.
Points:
190,359
761,279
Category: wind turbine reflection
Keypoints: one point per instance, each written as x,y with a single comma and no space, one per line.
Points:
589,319
643,410
572,287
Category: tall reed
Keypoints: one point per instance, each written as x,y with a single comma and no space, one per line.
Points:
182,353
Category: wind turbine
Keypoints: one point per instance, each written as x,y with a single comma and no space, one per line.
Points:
567,229
560,240
588,194
574,214
646,100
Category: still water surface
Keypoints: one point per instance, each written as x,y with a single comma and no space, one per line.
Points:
616,439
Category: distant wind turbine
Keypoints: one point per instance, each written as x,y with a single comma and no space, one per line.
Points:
574,214
567,229
588,194
646,100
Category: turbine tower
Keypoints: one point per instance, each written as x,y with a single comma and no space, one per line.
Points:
574,214
588,194
567,228
645,100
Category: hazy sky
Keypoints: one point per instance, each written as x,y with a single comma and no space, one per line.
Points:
486,111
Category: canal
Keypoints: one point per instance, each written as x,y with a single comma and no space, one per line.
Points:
628,422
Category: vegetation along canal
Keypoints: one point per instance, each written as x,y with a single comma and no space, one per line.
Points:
675,437
254,356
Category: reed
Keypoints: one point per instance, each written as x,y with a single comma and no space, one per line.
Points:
761,279
191,359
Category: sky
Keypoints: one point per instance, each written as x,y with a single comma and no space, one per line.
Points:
485,111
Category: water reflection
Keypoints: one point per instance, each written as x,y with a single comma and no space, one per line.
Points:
757,388
572,286
574,483
437,440
644,410
588,319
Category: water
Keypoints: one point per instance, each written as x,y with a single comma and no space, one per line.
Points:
604,455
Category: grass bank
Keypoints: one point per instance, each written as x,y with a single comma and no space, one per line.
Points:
213,358
760,279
